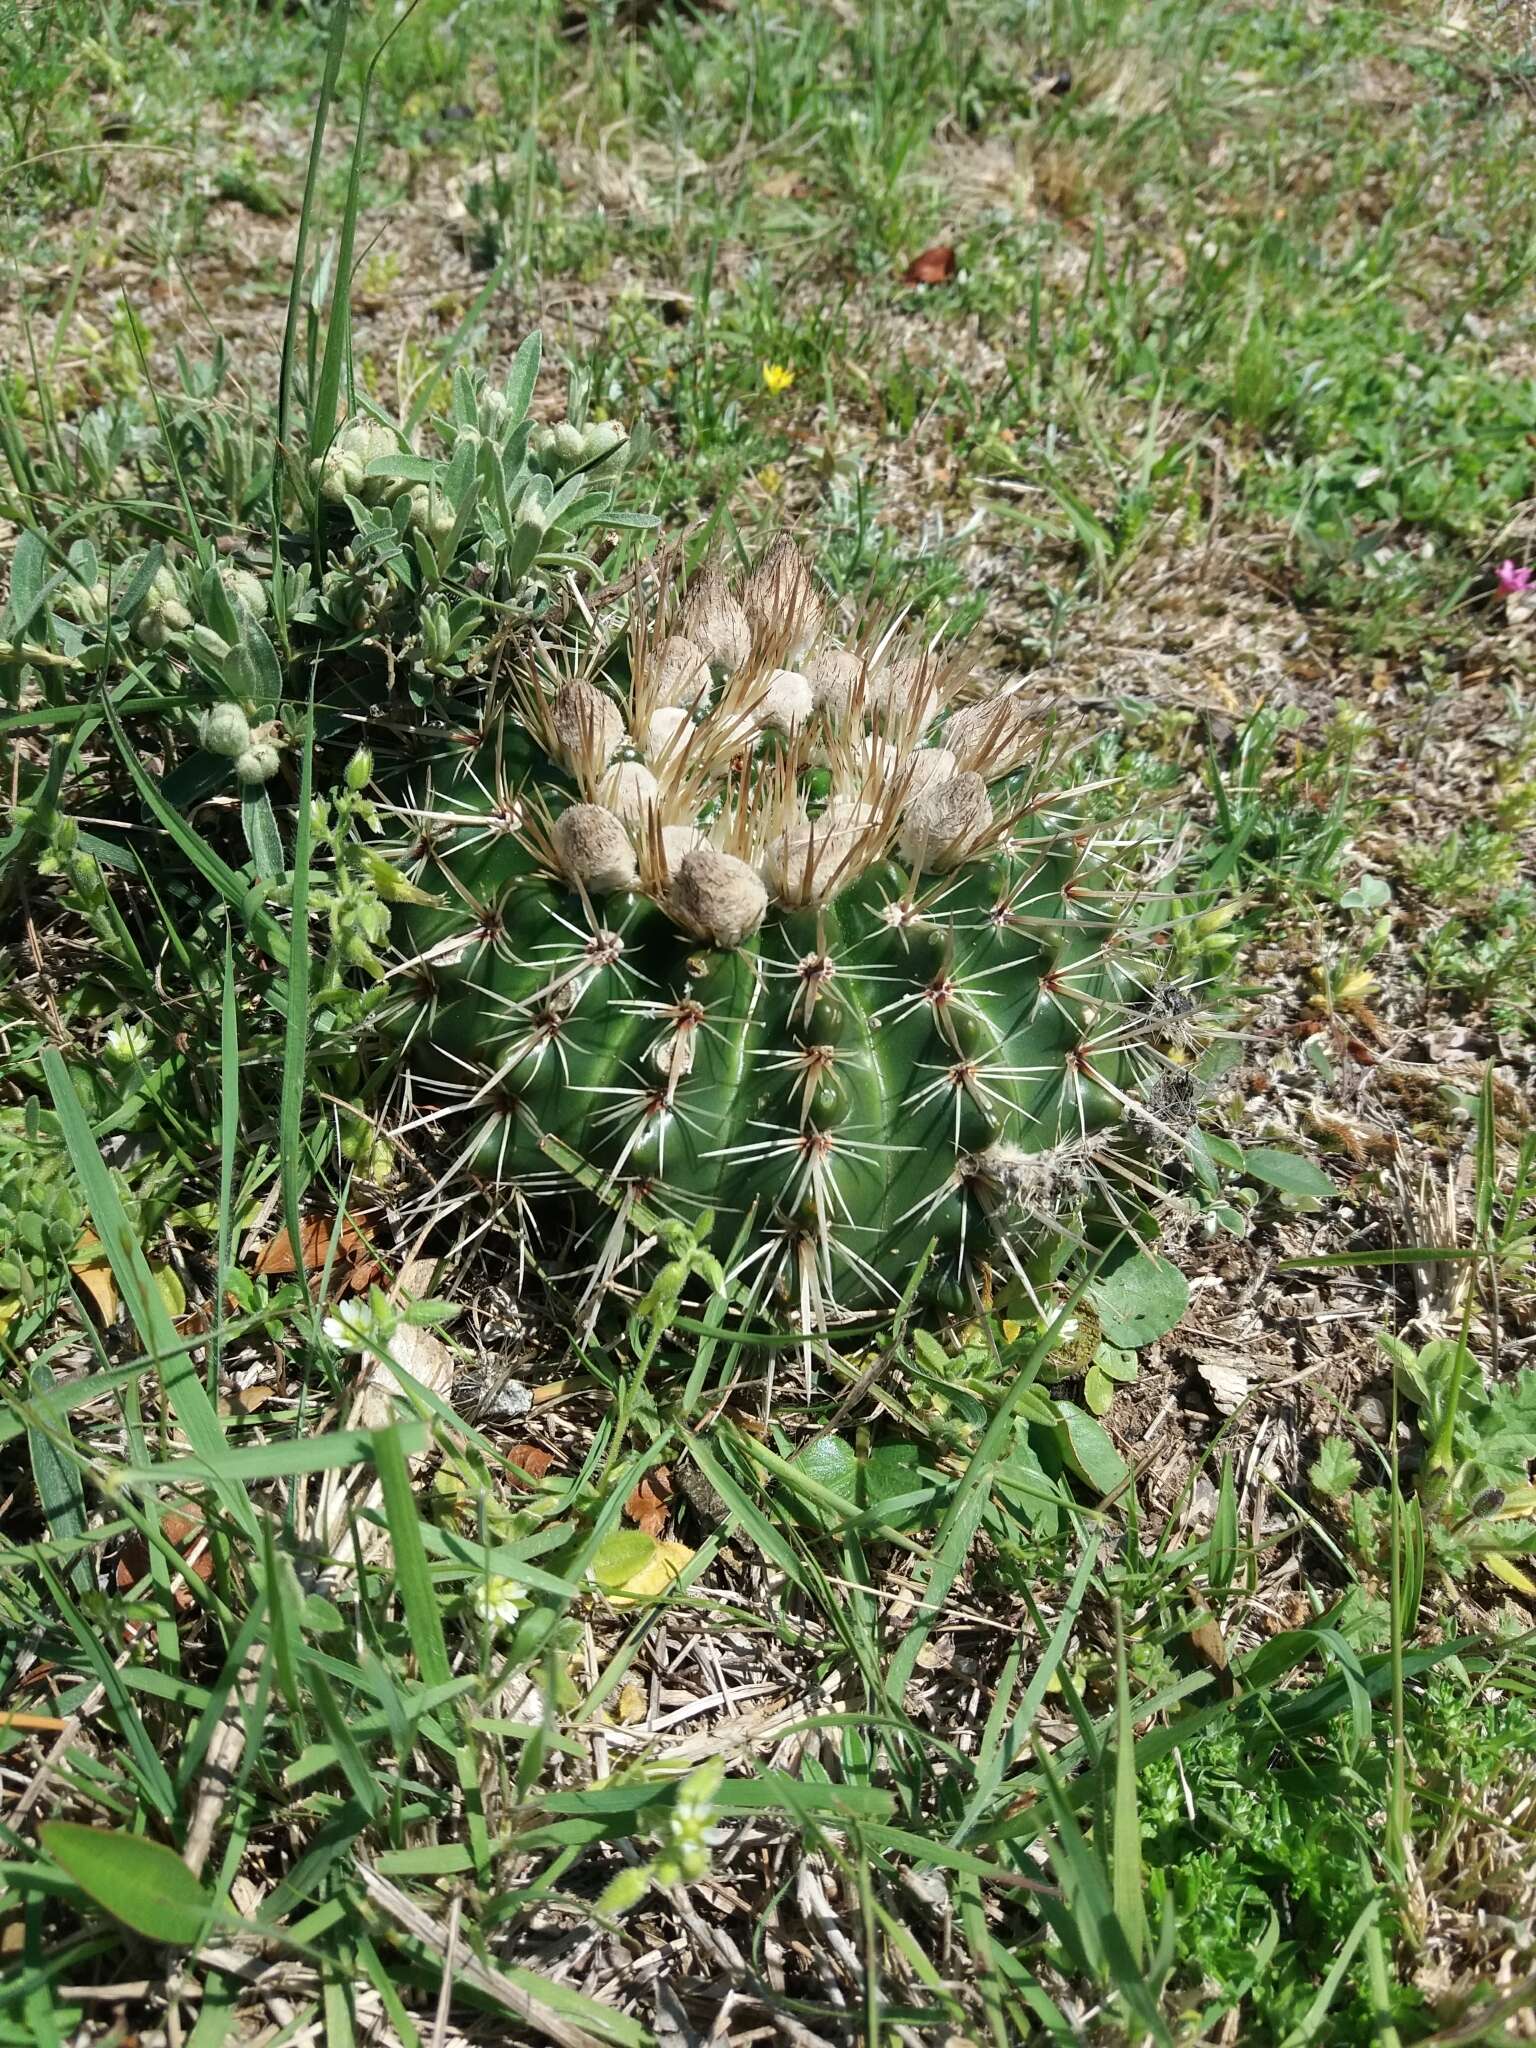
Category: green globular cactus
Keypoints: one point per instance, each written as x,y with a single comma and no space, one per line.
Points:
758,924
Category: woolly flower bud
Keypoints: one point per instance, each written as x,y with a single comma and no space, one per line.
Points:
661,733
927,768
245,591
942,825
810,862
569,443
602,439
360,770
718,896
785,703
629,790
982,735
259,763
225,730
594,849
677,842
588,726
682,673
781,602
833,674
431,512
716,624
904,691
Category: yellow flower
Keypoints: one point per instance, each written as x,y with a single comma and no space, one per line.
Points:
777,377
770,478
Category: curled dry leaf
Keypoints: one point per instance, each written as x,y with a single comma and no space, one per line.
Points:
188,1537
532,1459
353,1269
647,1506
933,266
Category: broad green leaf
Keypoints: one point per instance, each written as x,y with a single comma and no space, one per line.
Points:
831,1463
140,1882
1086,1447
1140,1298
1288,1172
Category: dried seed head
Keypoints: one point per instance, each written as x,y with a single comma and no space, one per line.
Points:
785,702
716,624
588,727
781,602
810,862
942,826
927,769
628,790
594,849
833,674
661,732
682,673
984,736
718,896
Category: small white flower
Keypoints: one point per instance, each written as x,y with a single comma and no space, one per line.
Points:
354,1326
498,1601
126,1044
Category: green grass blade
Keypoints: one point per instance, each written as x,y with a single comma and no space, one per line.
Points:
423,1616
184,1390
340,14
56,1475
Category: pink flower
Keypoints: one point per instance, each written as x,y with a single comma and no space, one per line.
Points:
1512,579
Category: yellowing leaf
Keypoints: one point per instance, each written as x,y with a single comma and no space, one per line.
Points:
630,1705
168,1281
633,1566
89,1266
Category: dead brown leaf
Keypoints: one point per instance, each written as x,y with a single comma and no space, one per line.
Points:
188,1537
647,1506
531,1458
933,266
352,1269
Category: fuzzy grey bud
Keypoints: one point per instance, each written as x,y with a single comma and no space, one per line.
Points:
943,825
589,728
225,731
661,733
984,736
833,674
629,791
681,672
594,849
259,763
716,624
718,896
927,768
782,605
785,702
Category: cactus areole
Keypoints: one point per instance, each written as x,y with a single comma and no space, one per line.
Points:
768,928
